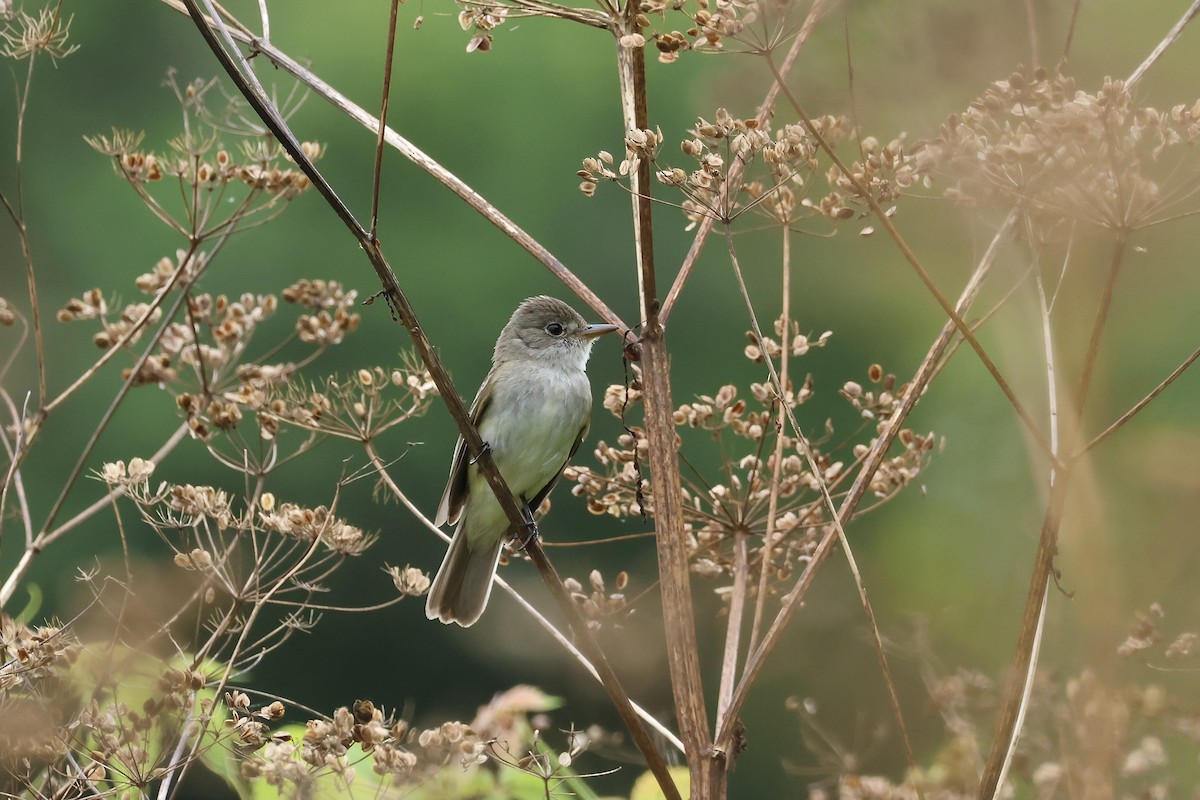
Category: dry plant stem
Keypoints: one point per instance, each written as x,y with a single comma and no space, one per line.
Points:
540,618
418,157
1012,707
776,475
18,218
1098,325
870,465
1145,401
733,180
733,628
1022,702
383,112
683,657
13,476
1168,40
915,263
723,722
1016,690
403,309
46,538
1035,50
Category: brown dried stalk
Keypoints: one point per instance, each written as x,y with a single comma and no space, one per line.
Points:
683,656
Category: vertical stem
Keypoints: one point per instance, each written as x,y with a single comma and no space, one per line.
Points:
383,111
707,779
764,574
1106,297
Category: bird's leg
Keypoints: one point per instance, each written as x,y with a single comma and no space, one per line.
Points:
487,448
531,526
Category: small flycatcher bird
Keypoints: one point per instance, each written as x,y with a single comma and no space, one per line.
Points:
533,411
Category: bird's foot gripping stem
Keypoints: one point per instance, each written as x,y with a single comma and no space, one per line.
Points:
531,528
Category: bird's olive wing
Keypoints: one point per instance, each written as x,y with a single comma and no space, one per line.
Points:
455,494
537,499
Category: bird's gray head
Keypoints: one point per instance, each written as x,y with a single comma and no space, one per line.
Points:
546,328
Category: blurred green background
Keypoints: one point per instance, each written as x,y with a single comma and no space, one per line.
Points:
515,123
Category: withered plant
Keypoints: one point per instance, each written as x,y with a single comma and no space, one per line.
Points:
150,679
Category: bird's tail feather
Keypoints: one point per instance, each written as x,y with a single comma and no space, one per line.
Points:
463,583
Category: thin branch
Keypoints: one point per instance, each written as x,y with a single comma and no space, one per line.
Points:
383,112
776,474
1099,324
1145,401
1021,701
1168,40
418,157
733,628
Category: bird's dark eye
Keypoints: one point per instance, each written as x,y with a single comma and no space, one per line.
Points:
554,329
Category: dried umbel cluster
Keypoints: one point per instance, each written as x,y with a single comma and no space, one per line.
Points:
202,515
1064,154
776,171
674,26
749,430
203,358
24,35
600,606
35,693
199,186
203,165
358,407
331,753
1089,735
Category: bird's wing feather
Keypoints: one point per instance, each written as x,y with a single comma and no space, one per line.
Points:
455,494
537,499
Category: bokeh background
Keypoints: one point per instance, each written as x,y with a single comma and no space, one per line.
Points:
951,555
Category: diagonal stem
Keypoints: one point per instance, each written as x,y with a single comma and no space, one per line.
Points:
858,489
733,180
885,220
421,159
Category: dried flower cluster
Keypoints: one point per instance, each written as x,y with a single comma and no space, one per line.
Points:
208,512
776,173
123,736
222,188
600,606
202,359
1086,734
719,512
334,751
1036,141
26,35
34,662
708,26
360,407
481,20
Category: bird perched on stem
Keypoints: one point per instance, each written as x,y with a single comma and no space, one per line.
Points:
532,412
